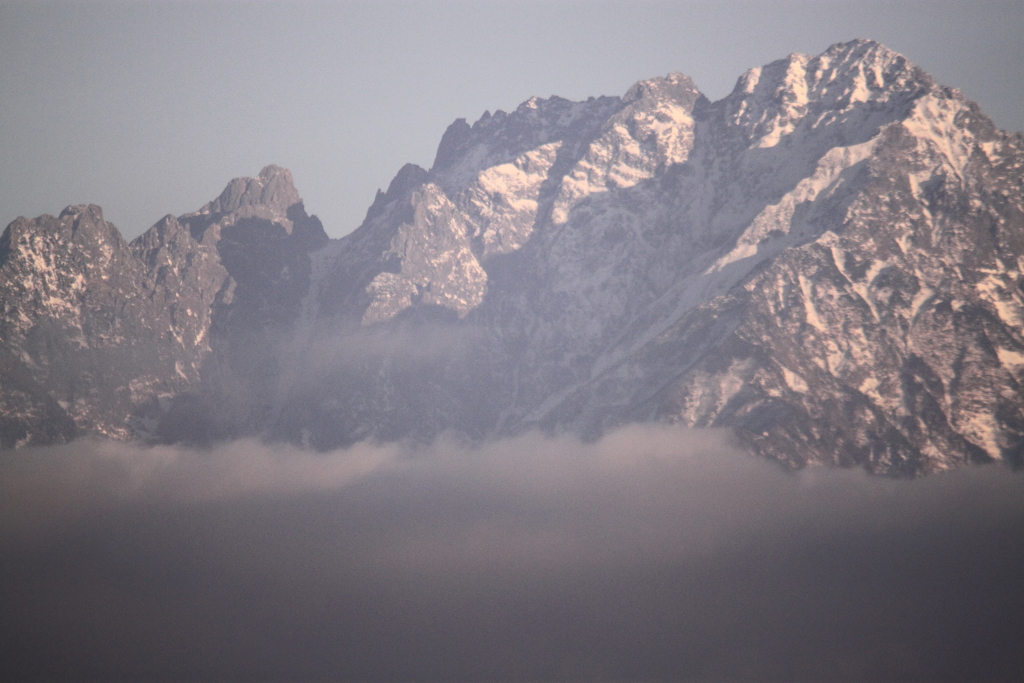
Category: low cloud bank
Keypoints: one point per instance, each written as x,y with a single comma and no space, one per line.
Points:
654,553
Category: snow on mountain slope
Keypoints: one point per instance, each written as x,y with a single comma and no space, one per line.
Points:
828,261
755,262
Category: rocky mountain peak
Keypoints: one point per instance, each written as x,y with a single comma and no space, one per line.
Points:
675,86
827,261
408,178
861,53
269,196
89,212
863,68
453,144
503,138
86,224
272,188
852,89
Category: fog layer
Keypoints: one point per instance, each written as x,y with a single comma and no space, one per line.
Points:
654,553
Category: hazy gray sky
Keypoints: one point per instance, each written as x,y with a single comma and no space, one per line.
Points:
149,108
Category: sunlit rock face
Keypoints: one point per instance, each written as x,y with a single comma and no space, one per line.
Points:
92,326
828,261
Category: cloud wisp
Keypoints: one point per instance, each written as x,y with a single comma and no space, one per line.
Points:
653,553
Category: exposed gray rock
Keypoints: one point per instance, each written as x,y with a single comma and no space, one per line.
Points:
829,261
785,262
81,339
101,337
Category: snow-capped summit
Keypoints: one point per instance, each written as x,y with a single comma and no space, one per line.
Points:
826,261
860,82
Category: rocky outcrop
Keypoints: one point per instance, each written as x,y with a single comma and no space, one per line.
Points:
881,325
824,261
81,339
827,261
106,338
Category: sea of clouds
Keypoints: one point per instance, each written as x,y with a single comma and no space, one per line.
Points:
654,553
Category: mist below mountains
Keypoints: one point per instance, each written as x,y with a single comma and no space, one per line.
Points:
654,553
506,429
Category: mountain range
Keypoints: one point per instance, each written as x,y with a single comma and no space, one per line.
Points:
829,262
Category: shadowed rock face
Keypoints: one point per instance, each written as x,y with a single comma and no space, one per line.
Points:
108,338
827,261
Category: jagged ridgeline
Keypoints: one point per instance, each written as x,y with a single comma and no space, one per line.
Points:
828,261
